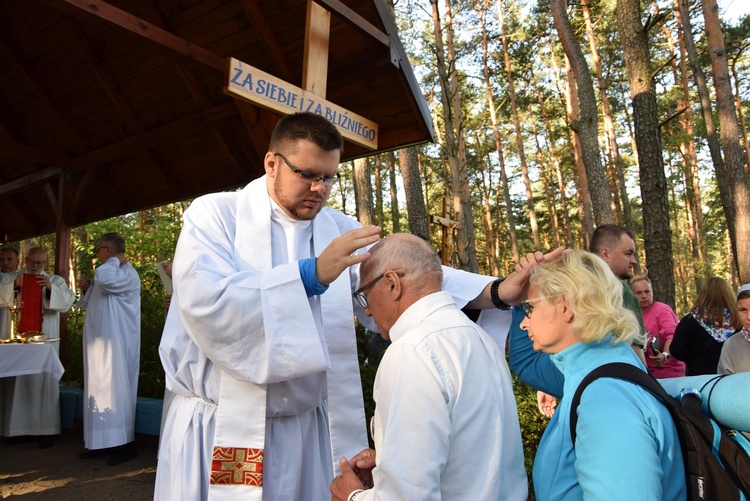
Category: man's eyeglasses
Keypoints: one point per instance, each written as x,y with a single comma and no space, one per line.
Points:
359,294
528,308
308,177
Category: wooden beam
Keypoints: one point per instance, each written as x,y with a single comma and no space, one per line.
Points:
56,111
172,46
26,181
315,65
196,90
123,106
258,20
153,137
62,257
355,20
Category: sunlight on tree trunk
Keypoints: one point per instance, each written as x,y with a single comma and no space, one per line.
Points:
730,142
657,234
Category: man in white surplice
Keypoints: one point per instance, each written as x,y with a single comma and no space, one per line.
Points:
259,345
32,403
8,271
111,353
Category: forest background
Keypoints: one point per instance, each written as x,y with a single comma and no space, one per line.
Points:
549,119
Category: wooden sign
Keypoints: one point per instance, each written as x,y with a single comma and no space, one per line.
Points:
258,87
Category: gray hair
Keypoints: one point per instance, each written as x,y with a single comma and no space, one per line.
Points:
408,254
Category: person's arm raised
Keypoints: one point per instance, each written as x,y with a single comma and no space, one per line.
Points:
512,290
339,255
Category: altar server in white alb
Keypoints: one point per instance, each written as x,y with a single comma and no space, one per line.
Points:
8,271
259,345
8,268
445,423
32,403
111,353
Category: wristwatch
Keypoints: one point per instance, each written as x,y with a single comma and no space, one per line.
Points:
666,355
499,303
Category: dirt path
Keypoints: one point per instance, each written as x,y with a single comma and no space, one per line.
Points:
29,474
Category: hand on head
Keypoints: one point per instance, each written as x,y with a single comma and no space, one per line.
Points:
514,288
339,255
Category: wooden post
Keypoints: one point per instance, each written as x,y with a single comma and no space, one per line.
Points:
315,65
62,259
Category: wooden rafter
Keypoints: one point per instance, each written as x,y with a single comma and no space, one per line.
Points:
196,91
24,182
258,20
33,79
100,12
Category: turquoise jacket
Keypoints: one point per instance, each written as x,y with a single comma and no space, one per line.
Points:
627,446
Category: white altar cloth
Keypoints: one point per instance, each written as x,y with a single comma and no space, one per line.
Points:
30,358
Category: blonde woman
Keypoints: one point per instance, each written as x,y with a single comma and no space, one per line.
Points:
571,323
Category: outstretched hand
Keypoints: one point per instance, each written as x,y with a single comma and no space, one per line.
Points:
344,484
514,288
339,255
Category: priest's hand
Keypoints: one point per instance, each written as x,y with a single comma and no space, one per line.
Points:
346,483
339,255
44,281
514,288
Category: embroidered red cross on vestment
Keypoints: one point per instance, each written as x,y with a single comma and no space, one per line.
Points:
237,466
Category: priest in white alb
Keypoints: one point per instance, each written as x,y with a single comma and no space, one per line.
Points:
32,403
259,345
111,353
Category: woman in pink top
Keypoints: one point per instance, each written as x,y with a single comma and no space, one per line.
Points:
660,322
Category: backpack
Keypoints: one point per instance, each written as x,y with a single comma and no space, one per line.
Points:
717,460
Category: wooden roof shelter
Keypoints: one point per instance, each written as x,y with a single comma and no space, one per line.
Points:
109,107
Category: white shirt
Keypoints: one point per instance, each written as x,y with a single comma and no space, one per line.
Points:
445,423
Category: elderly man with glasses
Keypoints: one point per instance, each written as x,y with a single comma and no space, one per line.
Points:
445,423
32,403
259,345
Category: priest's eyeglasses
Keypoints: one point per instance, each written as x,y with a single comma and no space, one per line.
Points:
308,177
528,308
359,294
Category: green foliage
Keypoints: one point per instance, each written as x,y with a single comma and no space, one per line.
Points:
533,424
150,237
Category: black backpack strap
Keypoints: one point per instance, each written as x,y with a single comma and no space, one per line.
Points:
617,370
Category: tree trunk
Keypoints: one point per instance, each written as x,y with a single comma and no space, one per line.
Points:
585,213
690,165
730,142
519,136
408,161
554,160
454,147
657,233
363,192
609,125
498,146
544,176
587,125
379,214
712,139
740,114
395,214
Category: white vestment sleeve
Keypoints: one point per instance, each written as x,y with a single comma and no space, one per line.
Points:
61,297
256,325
